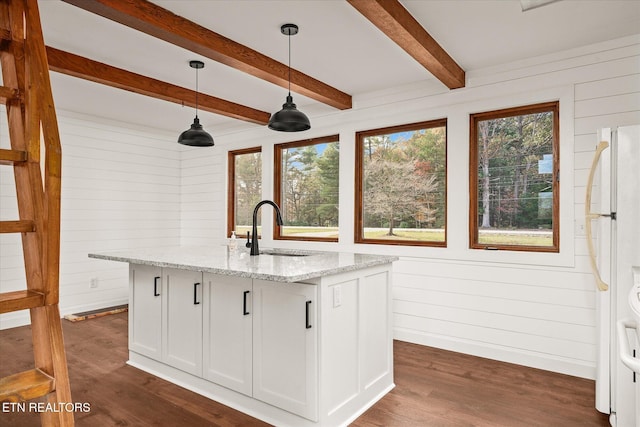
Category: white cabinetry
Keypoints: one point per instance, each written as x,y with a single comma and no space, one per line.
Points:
182,320
145,314
165,316
260,339
227,331
285,356
292,354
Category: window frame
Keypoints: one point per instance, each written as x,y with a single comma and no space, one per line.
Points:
474,119
231,185
277,183
359,182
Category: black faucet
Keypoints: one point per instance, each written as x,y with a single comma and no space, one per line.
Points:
254,226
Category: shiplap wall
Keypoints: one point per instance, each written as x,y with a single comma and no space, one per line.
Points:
120,189
532,309
204,197
538,316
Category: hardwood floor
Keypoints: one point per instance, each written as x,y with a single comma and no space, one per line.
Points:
433,388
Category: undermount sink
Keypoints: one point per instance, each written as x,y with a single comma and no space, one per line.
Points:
281,253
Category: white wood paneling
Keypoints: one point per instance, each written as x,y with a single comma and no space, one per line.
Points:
120,189
339,327
497,290
606,88
533,309
203,196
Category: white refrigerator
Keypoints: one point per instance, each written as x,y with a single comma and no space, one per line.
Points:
612,210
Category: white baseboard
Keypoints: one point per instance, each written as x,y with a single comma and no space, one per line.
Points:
577,368
21,318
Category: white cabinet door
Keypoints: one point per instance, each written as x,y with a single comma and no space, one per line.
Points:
182,322
145,315
227,331
285,358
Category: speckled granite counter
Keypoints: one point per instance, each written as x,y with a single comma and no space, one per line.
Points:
275,264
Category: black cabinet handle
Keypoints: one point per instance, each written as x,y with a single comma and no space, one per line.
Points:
195,294
308,325
155,286
244,303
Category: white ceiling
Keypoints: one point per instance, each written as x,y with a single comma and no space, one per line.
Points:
335,44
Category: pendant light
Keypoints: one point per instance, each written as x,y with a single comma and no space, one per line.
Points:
289,119
196,136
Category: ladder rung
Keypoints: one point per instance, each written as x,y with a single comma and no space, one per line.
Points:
20,226
7,94
26,385
11,157
20,300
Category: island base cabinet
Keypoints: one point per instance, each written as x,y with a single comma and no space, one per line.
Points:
145,314
356,354
182,322
285,365
315,354
228,332
165,316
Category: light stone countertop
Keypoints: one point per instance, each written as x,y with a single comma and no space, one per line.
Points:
280,265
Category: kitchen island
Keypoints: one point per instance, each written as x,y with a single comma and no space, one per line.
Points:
294,338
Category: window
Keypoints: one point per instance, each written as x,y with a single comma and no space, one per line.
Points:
306,189
514,179
245,189
401,180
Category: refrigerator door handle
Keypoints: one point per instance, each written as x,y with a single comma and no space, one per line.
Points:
623,344
589,216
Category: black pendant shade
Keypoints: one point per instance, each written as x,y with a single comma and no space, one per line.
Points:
196,136
289,119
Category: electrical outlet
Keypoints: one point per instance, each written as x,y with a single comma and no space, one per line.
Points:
94,282
580,227
337,296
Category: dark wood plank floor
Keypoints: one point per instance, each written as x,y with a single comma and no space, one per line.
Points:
433,388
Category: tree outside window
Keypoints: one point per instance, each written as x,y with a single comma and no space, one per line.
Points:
307,188
514,179
401,184
245,189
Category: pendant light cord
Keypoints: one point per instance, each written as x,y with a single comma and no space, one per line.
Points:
289,36
196,92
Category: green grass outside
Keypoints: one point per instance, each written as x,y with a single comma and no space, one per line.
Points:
512,239
298,230
327,232
504,238
399,234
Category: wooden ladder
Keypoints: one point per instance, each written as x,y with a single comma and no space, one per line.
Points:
26,93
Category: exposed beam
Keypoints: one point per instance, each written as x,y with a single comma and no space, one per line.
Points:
401,27
151,19
84,68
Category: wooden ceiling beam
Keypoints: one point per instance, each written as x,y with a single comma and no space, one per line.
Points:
98,72
401,27
158,22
